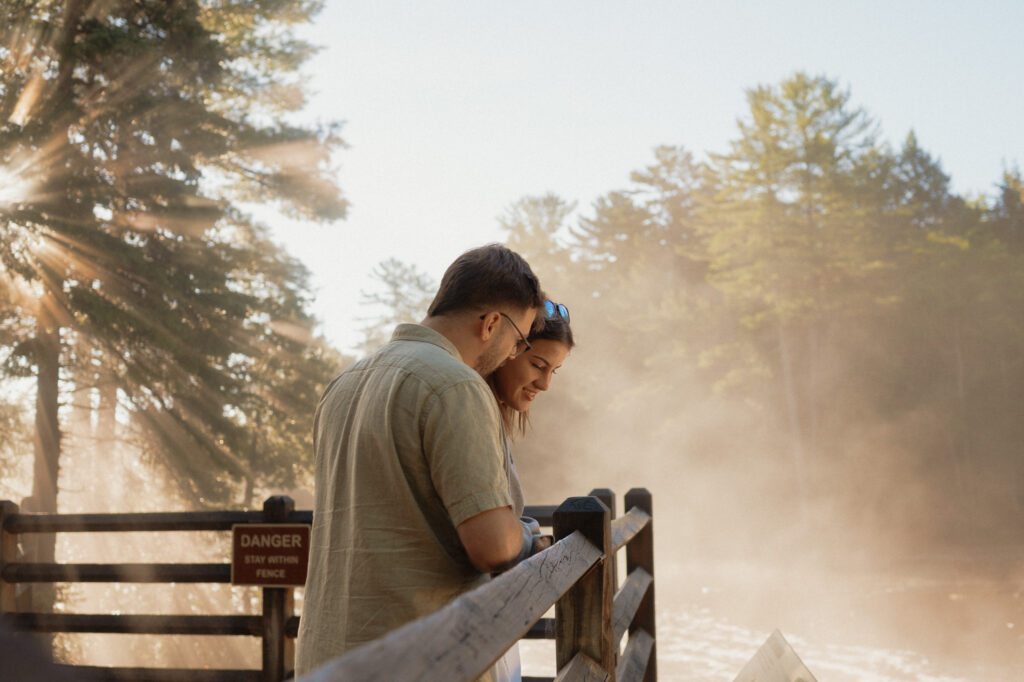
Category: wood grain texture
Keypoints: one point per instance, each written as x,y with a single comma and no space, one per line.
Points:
8,555
633,665
583,616
628,600
640,554
625,529
582,668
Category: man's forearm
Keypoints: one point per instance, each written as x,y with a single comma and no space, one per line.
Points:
495,540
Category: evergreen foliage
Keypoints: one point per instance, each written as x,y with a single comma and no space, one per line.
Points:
132,137
402,294
813,306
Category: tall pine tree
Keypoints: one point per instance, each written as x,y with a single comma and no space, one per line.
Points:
132,136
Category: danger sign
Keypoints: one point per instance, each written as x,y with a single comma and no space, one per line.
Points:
269,554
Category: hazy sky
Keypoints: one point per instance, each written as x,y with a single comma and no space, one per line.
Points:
453,110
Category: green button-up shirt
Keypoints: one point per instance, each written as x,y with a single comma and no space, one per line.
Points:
408,445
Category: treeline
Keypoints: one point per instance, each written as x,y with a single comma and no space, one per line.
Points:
809,331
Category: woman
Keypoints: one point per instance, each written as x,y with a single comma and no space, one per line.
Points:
516,384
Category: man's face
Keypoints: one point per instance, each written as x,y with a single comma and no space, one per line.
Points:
506,343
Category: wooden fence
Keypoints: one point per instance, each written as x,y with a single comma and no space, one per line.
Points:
459,642
576,575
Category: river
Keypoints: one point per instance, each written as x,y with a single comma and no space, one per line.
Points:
846,628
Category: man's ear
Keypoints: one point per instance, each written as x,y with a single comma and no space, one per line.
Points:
488,325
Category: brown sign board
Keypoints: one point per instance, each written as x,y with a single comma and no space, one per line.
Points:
269,554
775,661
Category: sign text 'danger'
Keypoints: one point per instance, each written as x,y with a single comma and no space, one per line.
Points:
271,555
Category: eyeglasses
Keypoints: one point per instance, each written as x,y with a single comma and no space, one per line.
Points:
553,309
522,345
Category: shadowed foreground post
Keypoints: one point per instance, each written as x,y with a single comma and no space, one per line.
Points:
278,650
583,617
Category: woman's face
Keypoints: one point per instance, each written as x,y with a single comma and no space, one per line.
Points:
519,380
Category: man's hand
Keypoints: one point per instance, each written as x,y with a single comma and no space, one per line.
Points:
540,542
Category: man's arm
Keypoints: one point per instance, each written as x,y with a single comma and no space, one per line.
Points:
492,539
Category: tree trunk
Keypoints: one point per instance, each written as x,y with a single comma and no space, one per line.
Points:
46,468
47,348
47,436
106,465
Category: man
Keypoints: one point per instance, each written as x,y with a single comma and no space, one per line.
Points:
413,501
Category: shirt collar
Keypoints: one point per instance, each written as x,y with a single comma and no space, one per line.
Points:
417,332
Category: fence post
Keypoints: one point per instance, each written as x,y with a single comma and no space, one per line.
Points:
640,554
583,616
8,554
607,498
278,604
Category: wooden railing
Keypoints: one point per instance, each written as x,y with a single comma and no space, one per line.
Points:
459,642
277,626
576,575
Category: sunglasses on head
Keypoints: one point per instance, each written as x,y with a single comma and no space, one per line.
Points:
554,310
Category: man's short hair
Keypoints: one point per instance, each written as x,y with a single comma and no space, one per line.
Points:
486,277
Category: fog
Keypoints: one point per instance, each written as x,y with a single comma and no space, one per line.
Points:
874,566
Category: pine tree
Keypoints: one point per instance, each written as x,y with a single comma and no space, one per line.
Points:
403,294
133,136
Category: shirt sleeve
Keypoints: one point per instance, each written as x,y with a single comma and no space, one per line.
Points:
462,446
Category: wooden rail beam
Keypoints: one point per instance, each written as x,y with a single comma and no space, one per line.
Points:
628,599
626,528
541,512
84,673
542,629
636,659
291,627
582,668
141,522
116,573
136,624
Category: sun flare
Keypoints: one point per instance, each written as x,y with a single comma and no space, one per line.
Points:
14,187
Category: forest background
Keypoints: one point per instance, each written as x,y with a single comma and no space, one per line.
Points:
806,344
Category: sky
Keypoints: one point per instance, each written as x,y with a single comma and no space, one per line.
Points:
454,110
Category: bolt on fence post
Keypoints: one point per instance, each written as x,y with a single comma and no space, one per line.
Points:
8,555
278,603
640,554
583,615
